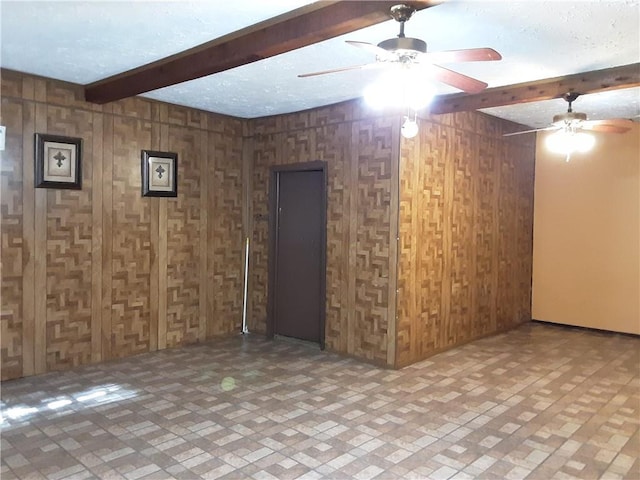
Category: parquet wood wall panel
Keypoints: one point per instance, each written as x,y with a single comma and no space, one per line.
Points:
360,171
97,233
131,241
28,236
11,178
486,201
466,218
462,260
69,244
335,114
183,242
298,146
39,321
410,177
226,235
333,147
265,154
373,150
106,266
524,264
423,236
134,107
507,240
185,117
83,269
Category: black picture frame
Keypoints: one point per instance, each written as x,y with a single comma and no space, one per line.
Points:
58,161
159,173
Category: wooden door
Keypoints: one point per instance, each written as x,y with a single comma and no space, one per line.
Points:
299,254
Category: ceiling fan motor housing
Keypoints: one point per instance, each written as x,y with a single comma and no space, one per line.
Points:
404,43
569,117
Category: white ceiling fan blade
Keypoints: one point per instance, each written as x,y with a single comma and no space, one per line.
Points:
465,55
370,47
343,69
531,131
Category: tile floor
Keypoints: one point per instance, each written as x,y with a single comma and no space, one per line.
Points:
540,402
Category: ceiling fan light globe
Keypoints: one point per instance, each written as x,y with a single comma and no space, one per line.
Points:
584,142
556,143
418,97
566,142
384,91
409,128
402,87
376,96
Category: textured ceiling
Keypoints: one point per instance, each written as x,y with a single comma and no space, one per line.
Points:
86,41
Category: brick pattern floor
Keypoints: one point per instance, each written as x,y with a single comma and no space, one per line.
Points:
540,402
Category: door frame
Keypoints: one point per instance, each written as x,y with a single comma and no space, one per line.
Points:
274,180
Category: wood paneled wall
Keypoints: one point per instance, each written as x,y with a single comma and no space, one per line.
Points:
429,240
100,273
362,156
465,223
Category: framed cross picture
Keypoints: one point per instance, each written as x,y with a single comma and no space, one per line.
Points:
159,174
58,161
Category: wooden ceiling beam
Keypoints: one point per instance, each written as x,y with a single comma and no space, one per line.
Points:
295,29
625,76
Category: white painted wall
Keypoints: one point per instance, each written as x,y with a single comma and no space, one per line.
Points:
586,240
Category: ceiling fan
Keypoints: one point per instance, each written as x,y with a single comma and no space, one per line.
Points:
575,121
570,130
412,52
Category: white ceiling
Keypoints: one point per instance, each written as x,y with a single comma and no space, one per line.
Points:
85,41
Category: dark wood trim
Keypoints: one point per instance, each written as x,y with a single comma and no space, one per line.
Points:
626,76
295,29
323,256
316,165
271,257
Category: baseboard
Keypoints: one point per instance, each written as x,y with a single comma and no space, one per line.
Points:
581,327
